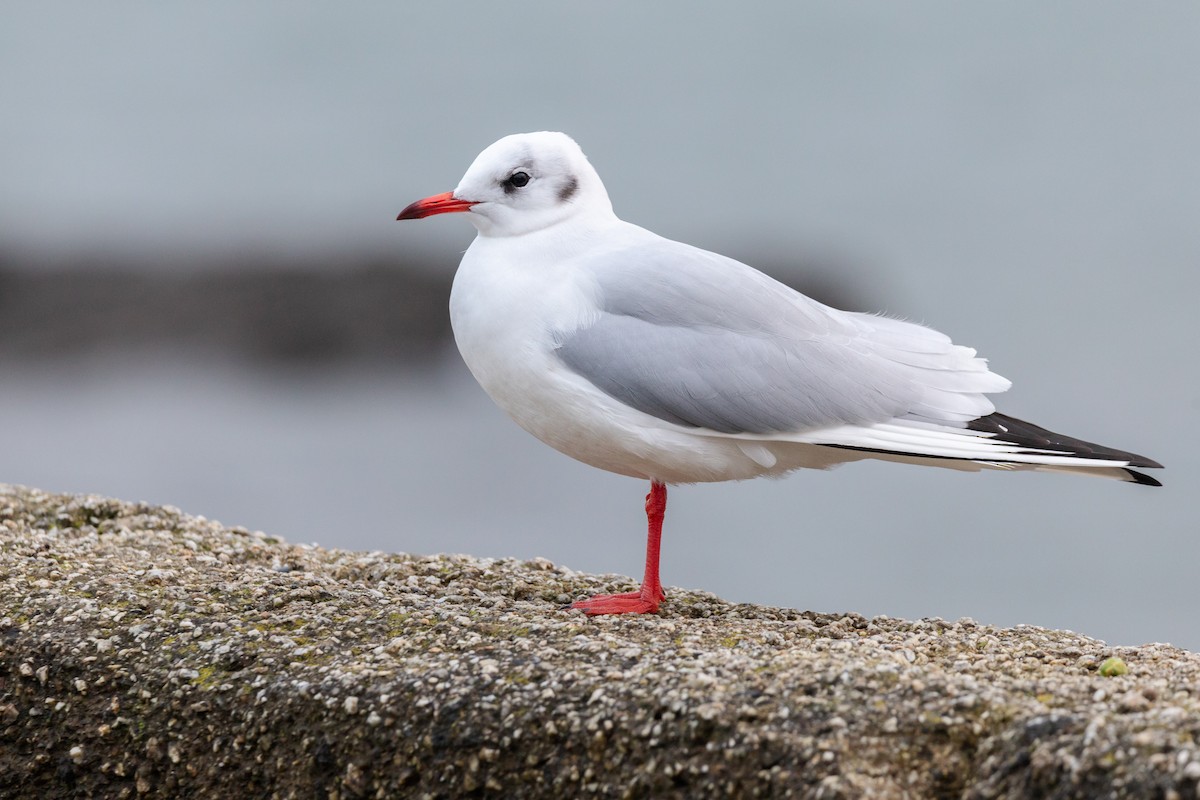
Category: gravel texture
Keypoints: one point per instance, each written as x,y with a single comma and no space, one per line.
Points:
146,653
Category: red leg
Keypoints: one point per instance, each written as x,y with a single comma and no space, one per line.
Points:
651,594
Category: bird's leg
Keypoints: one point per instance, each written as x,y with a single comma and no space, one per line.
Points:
646,600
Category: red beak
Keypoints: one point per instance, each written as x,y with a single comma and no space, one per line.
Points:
444,203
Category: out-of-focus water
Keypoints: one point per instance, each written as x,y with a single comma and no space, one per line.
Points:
853,126
1023,176
423,462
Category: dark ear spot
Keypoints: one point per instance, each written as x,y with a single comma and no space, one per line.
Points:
568,189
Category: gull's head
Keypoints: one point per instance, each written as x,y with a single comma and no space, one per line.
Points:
520,184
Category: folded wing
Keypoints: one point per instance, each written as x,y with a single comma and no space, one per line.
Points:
707,343
703,341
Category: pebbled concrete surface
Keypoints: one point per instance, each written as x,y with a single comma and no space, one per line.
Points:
146,653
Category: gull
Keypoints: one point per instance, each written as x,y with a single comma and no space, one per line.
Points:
654,359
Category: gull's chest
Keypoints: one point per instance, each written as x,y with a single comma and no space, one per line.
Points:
507,316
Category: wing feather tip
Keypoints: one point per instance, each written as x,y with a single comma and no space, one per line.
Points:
1141,478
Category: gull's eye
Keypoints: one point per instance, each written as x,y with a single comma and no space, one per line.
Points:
516,181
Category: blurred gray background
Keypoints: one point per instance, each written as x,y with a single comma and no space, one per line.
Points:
205,300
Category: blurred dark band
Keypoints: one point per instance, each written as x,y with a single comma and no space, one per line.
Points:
353,309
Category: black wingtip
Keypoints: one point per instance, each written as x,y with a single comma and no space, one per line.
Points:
1141,478
1026,434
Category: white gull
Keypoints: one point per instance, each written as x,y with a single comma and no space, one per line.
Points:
658,360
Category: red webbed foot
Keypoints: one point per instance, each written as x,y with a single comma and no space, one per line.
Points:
627,603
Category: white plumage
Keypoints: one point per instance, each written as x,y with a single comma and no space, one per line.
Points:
655,359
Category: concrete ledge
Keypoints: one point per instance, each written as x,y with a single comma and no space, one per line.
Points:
145,653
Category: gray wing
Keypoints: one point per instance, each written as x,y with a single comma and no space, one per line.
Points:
704,341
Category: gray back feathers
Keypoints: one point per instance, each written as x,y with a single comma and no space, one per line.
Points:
704,341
